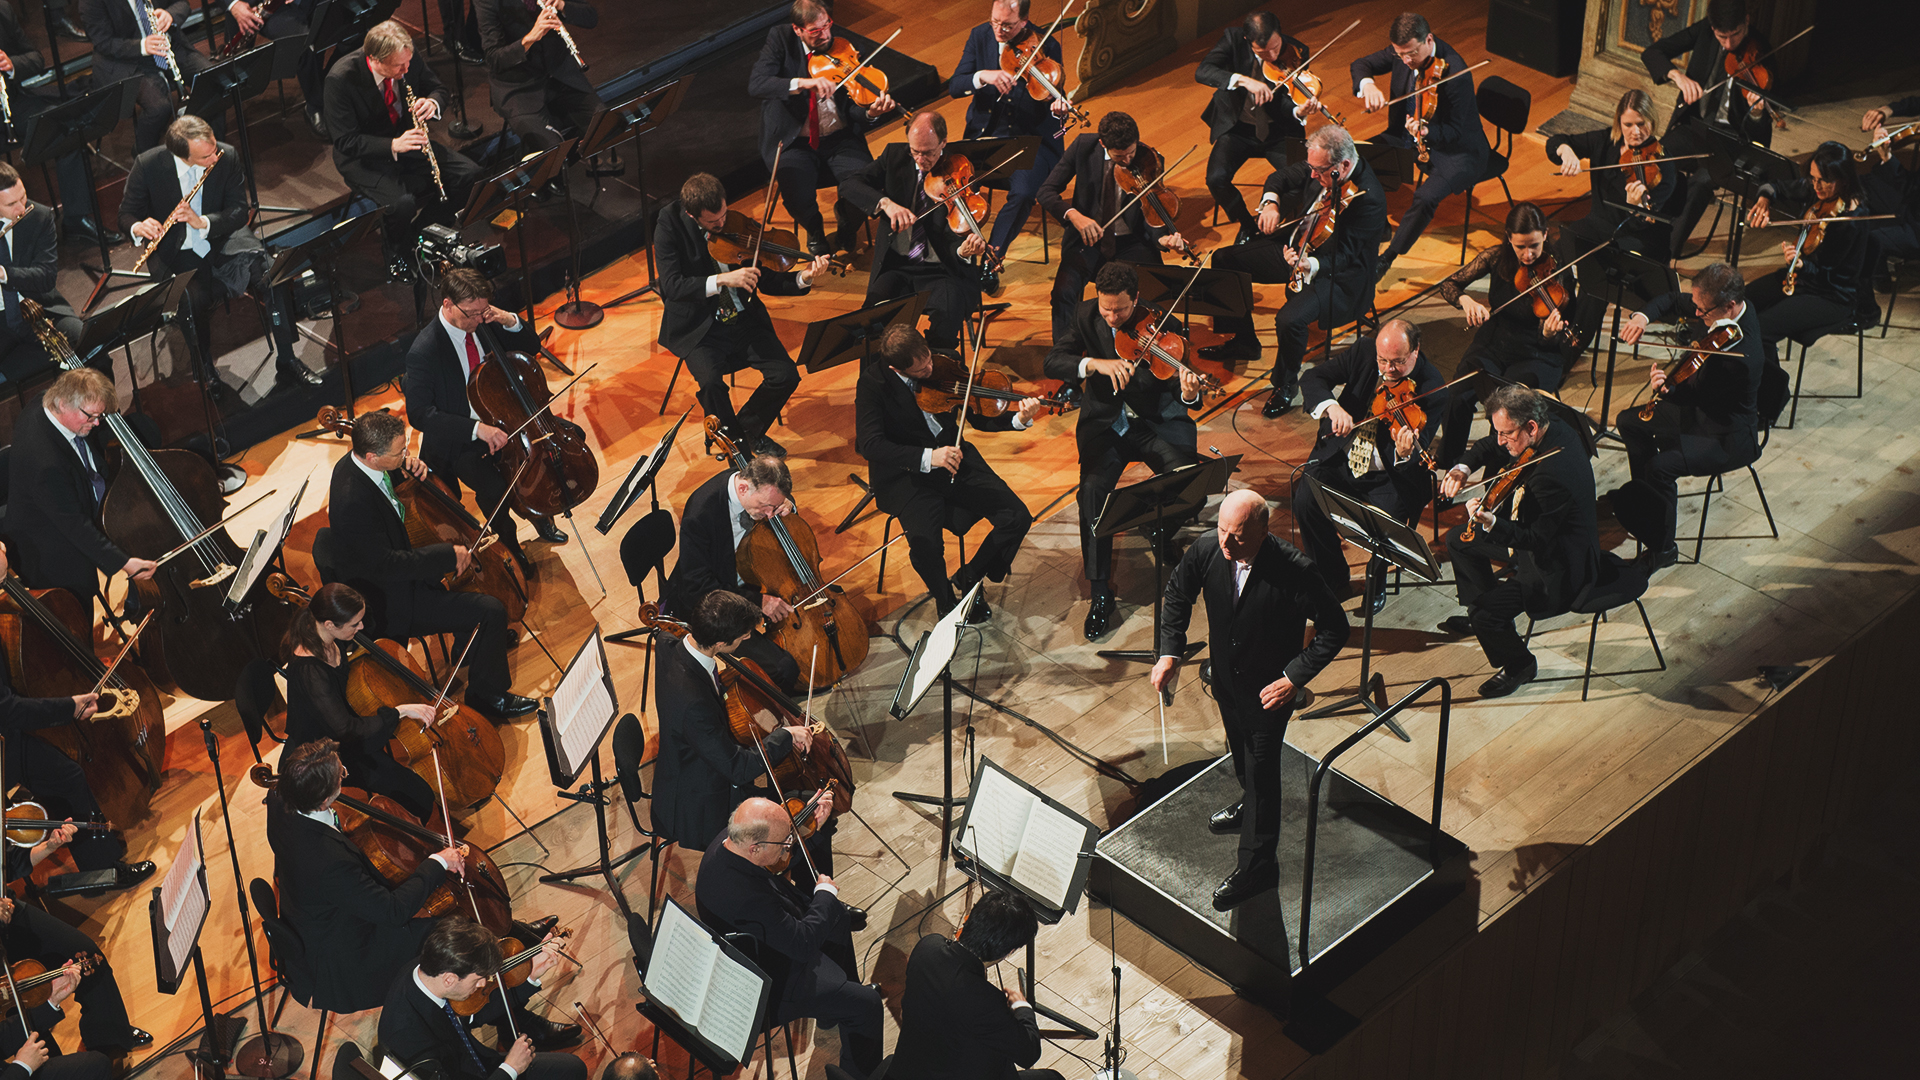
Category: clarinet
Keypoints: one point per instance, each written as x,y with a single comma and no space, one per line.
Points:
6,103
153,20
421,126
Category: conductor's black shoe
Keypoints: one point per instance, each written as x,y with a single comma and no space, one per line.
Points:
763,444
546,530
1100,615
1237,347
856,918
295,373
503,706
1661,558
139,1036
65,27
1225,821
126,875
1507,680
1242,886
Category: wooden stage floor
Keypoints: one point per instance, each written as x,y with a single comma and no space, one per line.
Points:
1530,778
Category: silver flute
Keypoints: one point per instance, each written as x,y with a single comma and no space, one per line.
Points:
568,39
153,20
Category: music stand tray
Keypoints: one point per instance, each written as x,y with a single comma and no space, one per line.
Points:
637,115
843,338
1169,496
1222,294
1019,152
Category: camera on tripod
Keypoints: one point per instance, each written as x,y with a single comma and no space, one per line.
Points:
440,244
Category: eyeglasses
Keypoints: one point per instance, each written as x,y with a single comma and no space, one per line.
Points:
96,417
786,844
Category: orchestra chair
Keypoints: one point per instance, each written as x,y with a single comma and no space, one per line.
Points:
629,750
644,550
1806,339
1896,267
257,699
287,954
1508,108
750,948
1773,398
1621,582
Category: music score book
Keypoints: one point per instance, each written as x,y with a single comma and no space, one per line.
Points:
580,712
705,983
1015,832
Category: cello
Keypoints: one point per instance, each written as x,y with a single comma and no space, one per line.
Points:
122,749
471,757
396,844
555,467
785,561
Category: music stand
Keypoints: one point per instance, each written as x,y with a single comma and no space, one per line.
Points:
175,913
1393,165
228,84
630,119
696,982
1169,496
323,251
513,184
1383,537
931,659
640,480
68,128
1624,269
574,721
1741,167
262,552
843,338
1221,294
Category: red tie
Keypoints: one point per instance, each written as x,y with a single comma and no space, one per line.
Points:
473,358
393,109
813,120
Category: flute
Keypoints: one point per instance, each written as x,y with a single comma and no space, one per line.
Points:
153,20
567,39
186,206
420,126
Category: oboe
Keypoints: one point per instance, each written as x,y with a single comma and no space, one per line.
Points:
567,39
186,206
153,21
420,125
6,103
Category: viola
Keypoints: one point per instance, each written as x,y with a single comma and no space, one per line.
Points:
1316,228
1718,339
1146,338
1501,489
1549,297
383,674
1159,204
27,824
1426,101
34,983
742,242
841,59
515,958
992,393
555,467
1296,81
396,844
1810,237
1895,138
749,692
123,748
1042,74
950,183
1743,63
784,559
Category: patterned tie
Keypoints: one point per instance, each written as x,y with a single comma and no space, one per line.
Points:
146,31
93,474
466,1038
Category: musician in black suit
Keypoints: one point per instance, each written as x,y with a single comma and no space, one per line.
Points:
402,584
28,932
37,1055
914,249
21,60
822,131
1126,415
1260,594
717,517
998,110
289,19
418,1024
454,443
1891,187
211,235
955,1024
1339,273
1710,422
701,772
714,319
29,268
804,934
1548,535
920,476
376,147
534,82
128,44
1246,117
1392,476
358,930
1456,143
1089,242
55,491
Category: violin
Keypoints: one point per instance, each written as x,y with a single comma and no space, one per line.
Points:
741,241
515,957
800,815
1549,297
1426,101
1159,205
1744,63
1648,176
840,59
1164,350
436,516
396,845
1811,235
950,183
383,674
25,830
1297,82
749,691
1500,489
555,467
992,393
1895,138
1719,339
1394,405
1315,229
1042,74
123,749
34,982
784,560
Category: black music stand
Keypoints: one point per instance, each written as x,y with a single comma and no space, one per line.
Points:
574,721
1394,165
68,128
228,84
933,653
630,119
1169,496
176,913
1383,537
323,251
1741,167
1221,294
513,185
844,339
640,480
698,1044
1624,269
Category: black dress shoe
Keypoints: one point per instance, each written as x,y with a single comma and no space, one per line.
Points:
1225,821
1278,403
856,918
318,123
1661,558
1507,680
990,283
83,228
1237,347
1379,601
817,247
548,1036
1457,626
1248,233
1100,615
546,530
126,875
503,706
464,54
762,444
64,27
532,932
1242,886
139,1036
295,373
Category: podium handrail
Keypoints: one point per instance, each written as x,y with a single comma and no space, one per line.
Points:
1326,765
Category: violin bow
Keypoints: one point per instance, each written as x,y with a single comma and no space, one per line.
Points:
966,395
204,533
551,398
1649,161
868,59
1437,83
1306,64
1358,424
124,650
817,593
1790,222
766,212
1529,290
1042,43
1167,315
1148,186
1504,472
486,529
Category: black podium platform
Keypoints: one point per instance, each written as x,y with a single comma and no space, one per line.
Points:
1373,874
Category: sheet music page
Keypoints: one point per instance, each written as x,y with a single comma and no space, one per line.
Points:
682,965
581,703
726,1017
180,945
996,820
180,876
1049,853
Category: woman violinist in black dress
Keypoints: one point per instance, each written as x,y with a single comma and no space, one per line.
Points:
317,700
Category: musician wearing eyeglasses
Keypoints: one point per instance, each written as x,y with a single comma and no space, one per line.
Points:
536,84
459,961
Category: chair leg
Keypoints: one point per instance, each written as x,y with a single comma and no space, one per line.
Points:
1593,635
1860,361
679,365
793,1072
1706,497
1651,640
1760,490
1528,640
886,537
1793,411
319,1043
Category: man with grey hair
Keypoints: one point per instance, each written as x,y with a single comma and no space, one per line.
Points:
1331,282
1260,594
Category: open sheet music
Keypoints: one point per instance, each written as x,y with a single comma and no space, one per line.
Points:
707,990
583,705
183,902
1012,832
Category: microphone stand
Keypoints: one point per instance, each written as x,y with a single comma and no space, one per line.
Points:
270,1054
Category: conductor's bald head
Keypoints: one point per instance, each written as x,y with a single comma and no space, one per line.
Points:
1243,524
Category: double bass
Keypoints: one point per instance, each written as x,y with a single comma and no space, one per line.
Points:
555,467
783,559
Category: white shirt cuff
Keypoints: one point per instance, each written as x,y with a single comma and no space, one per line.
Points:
793,86
441,861
926,460
512,1073
1269,197
1027,1005
476,430
1364,83
713,284
1320,410
827,886
1084,361
979,78
1021,423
